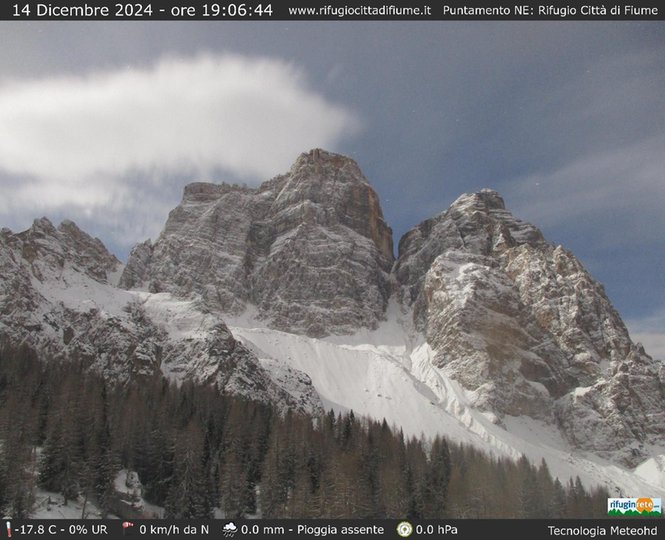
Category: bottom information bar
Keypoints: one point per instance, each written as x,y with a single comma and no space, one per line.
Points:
405,528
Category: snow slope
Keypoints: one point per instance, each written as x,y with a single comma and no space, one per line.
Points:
75,290
388,373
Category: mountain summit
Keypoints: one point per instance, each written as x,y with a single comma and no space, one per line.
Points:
310,249
523,326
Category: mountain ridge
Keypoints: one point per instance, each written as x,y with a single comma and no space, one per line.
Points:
58,301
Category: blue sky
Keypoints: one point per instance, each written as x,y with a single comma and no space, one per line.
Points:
105,123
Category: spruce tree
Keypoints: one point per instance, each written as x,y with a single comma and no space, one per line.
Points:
436,480
187,495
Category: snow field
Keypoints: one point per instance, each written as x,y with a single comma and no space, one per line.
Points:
400,383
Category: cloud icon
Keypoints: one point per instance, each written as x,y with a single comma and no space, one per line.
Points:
230,527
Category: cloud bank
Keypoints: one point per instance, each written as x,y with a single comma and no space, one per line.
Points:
79,145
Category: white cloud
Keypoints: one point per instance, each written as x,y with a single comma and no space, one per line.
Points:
622,189
93,143
650,331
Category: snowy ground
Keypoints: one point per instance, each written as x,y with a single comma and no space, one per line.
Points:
50,505
75,290
388,374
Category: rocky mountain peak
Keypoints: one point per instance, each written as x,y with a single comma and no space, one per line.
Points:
329,189
310,248
485,225
88,252
487,199
523,326
478,223
48,248
327,166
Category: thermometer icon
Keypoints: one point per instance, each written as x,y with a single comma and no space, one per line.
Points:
9,529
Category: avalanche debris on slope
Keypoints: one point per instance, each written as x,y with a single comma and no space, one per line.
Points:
402,384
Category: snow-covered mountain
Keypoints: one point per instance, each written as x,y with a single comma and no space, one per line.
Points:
58,297
481,330
527,331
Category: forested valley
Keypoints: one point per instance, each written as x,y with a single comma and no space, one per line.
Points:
65,429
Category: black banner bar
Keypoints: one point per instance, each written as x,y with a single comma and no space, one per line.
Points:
329,10
334,529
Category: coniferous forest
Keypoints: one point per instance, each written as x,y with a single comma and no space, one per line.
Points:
67,430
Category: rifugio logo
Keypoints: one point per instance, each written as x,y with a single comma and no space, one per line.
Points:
642,506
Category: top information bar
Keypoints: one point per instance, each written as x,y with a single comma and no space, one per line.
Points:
329,10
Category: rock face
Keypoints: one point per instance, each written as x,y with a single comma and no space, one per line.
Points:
43,247
527,331
44,271
56,299
31,259
309,249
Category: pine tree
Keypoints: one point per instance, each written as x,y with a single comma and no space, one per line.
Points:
187,495
103,458
155,463
436,480
278,476
545,487
59,463
558,504
16,478
576,499
233,485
